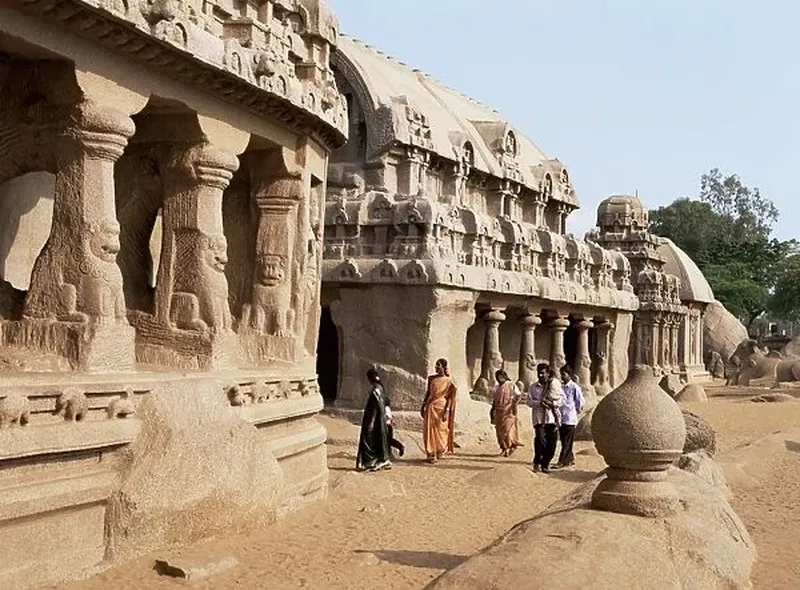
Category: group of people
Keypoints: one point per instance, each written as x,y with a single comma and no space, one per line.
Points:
555,406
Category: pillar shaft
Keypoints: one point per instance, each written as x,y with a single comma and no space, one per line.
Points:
583,362
557,327
191,286
76,277
527,349
492,360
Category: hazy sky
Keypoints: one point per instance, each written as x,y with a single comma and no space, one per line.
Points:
630,94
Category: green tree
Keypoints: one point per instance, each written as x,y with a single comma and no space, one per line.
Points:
785,300
727,232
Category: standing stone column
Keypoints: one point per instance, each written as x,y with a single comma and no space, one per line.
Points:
492,359
557,327
664,342
583,362
602,384
191,287
527,349
675,336
76,279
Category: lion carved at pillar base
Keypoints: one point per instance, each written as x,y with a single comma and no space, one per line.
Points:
82,284
200,289
270,308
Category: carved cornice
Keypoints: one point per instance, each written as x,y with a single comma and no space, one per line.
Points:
316,109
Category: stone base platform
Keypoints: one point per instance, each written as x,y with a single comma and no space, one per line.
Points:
78,496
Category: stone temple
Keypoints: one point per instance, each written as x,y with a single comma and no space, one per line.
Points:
445,235
189,239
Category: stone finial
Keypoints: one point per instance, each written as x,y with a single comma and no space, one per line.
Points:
639,430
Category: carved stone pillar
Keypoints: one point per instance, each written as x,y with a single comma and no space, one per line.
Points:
675,336
278,309
191,287
492,360
557,327
527,349
583,362
602,384
76,280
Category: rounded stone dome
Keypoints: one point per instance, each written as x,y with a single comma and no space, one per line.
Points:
694,286
620,211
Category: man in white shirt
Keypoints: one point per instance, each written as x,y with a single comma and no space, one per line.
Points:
544,419
570,410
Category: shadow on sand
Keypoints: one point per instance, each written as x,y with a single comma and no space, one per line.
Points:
792,446
423,559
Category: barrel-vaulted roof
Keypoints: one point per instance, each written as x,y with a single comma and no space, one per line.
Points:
694,286
412,108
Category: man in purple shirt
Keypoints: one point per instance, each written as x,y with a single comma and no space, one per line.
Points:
544,421
570,410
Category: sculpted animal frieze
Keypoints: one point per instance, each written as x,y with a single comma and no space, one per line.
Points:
72,405
15,410
122,406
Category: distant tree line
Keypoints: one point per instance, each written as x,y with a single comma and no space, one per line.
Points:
727,230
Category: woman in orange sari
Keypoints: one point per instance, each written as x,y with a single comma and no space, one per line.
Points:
438,413
504,413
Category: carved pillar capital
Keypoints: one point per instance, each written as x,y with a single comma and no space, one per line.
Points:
100,131
493,316
529,321
559,324
584,325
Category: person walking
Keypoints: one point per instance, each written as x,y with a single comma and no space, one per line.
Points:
570,410
373,441
543,413
503,413
438,413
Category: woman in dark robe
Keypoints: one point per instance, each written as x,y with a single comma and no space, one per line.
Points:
373,443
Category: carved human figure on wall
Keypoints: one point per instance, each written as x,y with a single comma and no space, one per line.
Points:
200,291
270,310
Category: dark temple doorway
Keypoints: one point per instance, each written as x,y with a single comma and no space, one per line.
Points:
570,346
328,357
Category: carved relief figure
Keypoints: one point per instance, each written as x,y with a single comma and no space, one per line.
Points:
122,406
15,410
87,288
72,405
200,296
270,311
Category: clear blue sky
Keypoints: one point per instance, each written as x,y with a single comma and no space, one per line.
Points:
630,94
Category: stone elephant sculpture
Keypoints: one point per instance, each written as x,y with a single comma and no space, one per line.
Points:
755,366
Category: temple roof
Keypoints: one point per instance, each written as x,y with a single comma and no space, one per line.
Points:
694,286
427,113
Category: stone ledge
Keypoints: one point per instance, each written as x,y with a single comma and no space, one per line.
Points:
67,437
286,446
58,494
260,414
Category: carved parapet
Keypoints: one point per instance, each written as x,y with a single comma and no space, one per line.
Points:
222,53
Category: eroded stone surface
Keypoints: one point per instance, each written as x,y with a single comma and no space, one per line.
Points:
704,545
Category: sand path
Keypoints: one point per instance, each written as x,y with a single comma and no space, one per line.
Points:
401,528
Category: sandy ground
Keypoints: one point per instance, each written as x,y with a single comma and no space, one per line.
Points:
401,528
